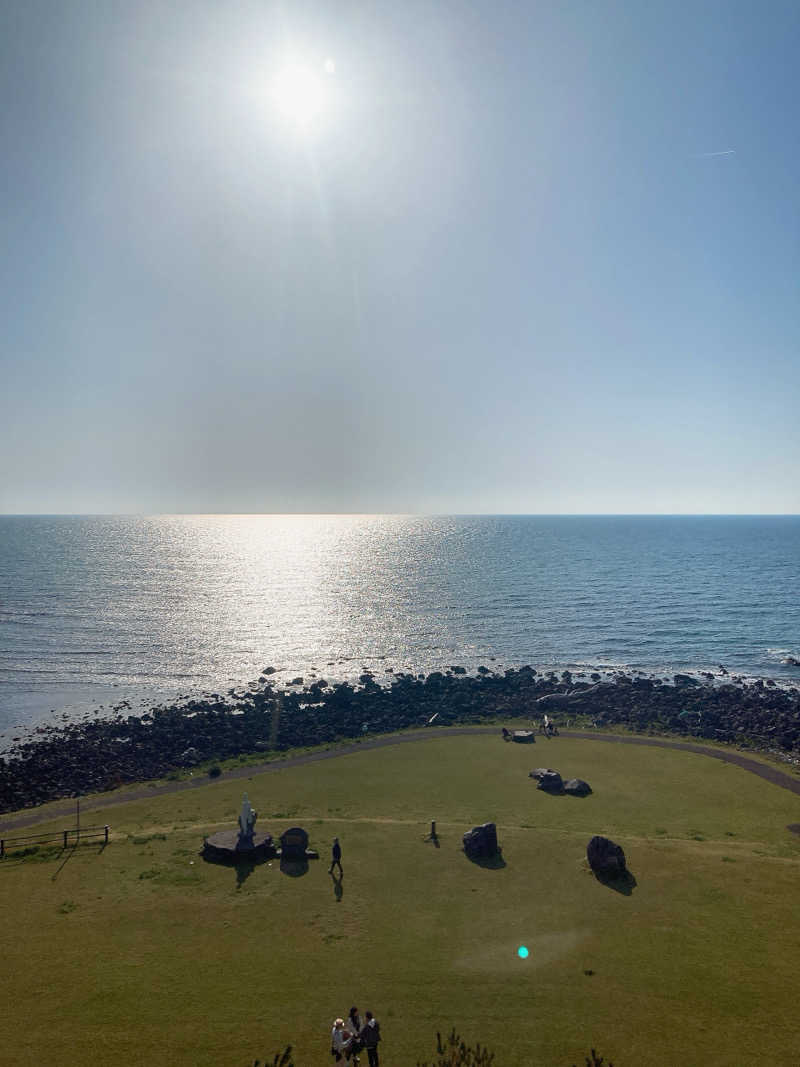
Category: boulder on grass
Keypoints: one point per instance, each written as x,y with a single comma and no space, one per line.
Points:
576,787
551,782
605,857
539,772
481,841
294,843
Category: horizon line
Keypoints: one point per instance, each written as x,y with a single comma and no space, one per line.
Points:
403,514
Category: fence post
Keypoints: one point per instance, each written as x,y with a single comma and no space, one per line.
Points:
106,830
65,838
2,848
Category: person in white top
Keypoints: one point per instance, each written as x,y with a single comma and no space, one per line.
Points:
341,1040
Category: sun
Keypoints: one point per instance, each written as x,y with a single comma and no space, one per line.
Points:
299,93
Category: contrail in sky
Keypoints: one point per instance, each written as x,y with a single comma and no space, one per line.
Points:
708,155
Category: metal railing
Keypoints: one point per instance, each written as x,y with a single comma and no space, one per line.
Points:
78,834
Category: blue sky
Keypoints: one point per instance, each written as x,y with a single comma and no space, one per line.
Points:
524,258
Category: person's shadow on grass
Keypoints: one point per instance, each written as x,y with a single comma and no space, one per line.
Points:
338,888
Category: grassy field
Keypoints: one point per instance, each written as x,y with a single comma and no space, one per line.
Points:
143,954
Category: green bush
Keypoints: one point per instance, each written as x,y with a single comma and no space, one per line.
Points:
456,1053
283,1059
453,1052
596,1061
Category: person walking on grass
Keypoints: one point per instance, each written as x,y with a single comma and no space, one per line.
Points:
336,856
370,1036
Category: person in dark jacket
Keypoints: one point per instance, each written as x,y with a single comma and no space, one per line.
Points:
370,1036
336,856
355,1024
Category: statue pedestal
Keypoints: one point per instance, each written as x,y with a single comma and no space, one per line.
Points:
228,847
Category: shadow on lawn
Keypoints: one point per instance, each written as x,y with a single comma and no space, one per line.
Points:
244,865
294,868
70,852
14,858
338,889
244,868
624,883
492,863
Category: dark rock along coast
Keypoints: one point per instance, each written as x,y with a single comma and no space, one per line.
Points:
105,753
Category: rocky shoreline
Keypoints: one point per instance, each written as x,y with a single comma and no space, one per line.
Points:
104,753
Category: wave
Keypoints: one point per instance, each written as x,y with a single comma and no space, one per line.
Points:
780,655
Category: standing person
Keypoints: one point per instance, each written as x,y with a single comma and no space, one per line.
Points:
354,1025
336,856
341,1040
344,1042
370,1035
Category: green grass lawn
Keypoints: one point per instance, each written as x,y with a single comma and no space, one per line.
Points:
143,954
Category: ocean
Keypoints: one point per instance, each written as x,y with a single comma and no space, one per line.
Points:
100,609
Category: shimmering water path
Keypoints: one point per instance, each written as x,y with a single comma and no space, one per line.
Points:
97,609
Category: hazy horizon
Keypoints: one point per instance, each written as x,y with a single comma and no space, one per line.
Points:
411,514
423,259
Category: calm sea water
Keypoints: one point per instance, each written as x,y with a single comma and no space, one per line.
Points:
97,609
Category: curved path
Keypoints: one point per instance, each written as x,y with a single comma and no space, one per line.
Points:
763,770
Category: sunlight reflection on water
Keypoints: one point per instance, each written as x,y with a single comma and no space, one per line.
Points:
183,603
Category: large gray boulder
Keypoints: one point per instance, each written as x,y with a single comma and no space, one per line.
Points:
524,737
576,787
550,781
605,857
481,841
294,843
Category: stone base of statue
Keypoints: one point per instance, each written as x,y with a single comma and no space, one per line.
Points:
229,846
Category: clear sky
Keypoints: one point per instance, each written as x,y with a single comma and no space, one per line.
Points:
427,256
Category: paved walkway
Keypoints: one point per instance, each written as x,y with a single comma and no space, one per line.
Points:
107,800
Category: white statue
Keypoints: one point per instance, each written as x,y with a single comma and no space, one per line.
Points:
247,819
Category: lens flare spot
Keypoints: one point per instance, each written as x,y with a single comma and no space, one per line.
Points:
522,952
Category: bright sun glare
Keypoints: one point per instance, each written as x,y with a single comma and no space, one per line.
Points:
300,93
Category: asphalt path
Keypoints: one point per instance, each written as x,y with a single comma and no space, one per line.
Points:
102,801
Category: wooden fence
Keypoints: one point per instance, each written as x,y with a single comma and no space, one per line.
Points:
63,836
